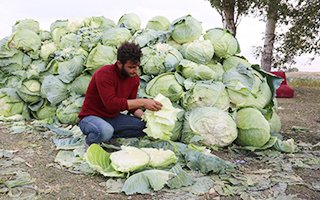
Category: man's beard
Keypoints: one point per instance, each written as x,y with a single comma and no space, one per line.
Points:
124,72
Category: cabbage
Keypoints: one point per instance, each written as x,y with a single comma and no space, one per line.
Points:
254,129
45,111
210,126
234,61
130,21
100,56
167,85
80,84
68,70
129,159
68,110
29,24
196,71
206,94
47,50
186,29
159,59
70,40
199,51
225,45
247,87
101,23
161,123
152,61
159,23
160,158
29,91
10,103
115,36
54,89
25,40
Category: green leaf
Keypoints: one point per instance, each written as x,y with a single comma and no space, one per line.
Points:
147,181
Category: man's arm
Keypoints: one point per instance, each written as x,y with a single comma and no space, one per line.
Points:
149,104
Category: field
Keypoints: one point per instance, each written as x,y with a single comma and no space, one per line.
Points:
34,153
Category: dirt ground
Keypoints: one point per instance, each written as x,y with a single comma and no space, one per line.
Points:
38,152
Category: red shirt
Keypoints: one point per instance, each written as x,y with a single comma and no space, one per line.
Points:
108,92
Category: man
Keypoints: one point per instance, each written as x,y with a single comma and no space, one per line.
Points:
113,89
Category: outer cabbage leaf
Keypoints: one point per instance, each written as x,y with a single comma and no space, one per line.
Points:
147,181
161,123
99,160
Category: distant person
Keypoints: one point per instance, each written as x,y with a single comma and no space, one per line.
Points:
113,89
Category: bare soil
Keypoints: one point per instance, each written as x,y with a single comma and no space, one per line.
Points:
53,183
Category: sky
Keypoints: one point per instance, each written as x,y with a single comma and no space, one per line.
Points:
249,33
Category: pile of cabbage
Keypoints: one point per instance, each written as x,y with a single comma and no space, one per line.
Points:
221,97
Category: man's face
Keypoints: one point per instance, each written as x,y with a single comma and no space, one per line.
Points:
130,69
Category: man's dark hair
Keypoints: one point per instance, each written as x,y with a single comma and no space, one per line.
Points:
129,51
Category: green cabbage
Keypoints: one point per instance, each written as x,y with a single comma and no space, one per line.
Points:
254,129
186,29
206,94
210,126
167,85
199,51
99,56
130,21
159,23
10,103
225,45
29,91
115,36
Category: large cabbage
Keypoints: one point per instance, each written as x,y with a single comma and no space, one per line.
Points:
186,29
10,103
199,51
99,56
54,89
196,71
254,129
115,36
234,61
68,110
247,87
210,126
29,91
159,23
166,84
225,45
207,94
130,21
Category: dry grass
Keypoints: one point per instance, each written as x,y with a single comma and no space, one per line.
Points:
303,79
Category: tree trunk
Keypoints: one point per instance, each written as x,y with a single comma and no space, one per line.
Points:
266,55
228,16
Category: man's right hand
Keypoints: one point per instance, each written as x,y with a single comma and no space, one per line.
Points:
152,105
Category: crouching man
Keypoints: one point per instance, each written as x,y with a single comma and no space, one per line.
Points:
113,89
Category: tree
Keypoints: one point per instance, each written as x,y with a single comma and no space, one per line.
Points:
231,12
303,34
